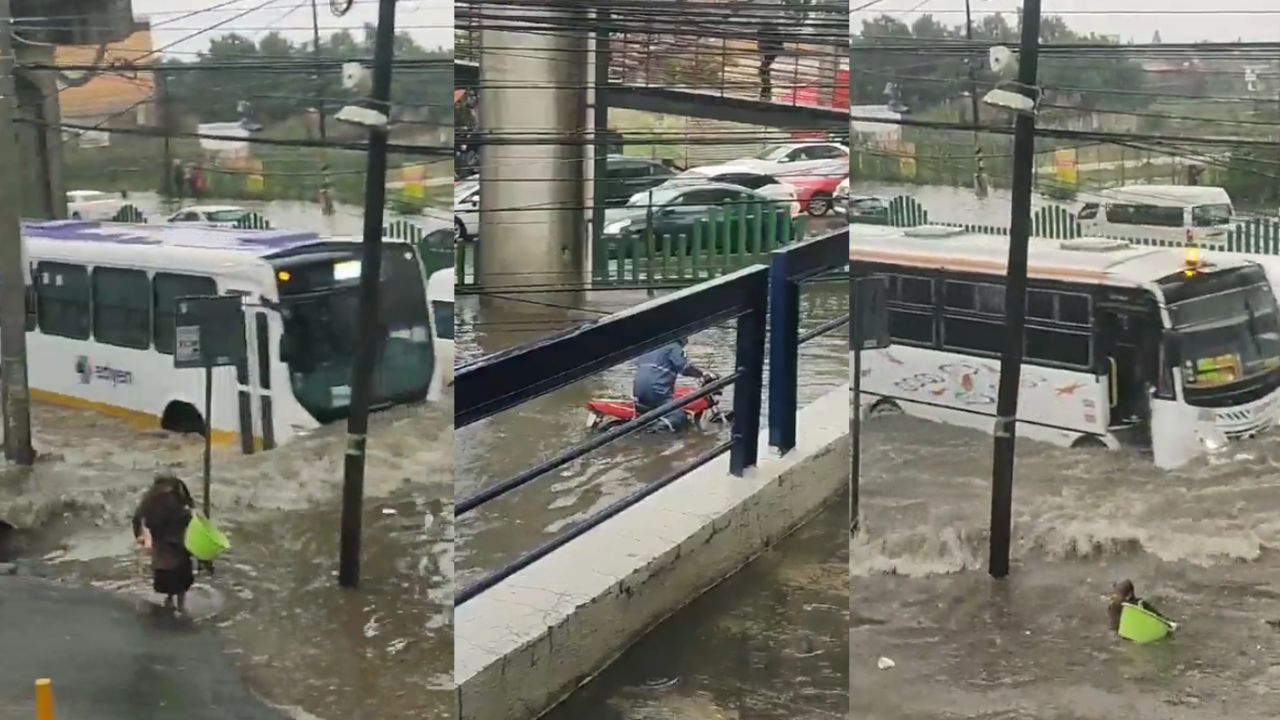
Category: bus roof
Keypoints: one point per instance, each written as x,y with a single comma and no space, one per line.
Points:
1166,195
259,243
1083,260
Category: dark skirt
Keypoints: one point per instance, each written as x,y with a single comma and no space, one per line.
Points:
175,581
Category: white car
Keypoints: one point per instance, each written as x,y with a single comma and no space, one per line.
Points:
802,158
92,205
466,209
765,184
209,215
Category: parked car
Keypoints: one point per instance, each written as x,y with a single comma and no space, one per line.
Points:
816,193
626,176
766,185
209,215
93,205
673,210
868,209
841,198
466,209
802,158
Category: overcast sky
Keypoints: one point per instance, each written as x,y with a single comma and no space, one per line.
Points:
428,21
1177,20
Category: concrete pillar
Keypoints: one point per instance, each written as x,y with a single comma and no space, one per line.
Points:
533,81
40,147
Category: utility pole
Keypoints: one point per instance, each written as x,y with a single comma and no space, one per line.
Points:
980,173
1015,303
600,148
375,196
14,394
315,50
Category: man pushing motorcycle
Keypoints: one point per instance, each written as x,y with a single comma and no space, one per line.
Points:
655,381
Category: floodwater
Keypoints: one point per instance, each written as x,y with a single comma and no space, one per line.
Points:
290,214
956,205
1200,543
766,644
502,446
384,650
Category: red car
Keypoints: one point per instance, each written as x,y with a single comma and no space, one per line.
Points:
816,193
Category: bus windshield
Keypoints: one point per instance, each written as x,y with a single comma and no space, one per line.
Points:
1211,215
1230,331
320,300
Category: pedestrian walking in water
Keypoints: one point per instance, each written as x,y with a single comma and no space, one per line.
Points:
160,525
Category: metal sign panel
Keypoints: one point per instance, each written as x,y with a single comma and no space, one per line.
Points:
868,313
208,332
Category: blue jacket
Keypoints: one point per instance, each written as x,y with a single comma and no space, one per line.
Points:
656,374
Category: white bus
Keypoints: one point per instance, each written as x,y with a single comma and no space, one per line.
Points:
100,321
1151,347
440,296
1166,214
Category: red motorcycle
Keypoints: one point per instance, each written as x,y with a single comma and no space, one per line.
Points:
606,413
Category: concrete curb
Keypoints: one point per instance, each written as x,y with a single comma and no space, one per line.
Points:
524,645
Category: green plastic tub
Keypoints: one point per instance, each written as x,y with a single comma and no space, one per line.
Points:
203,540
1142,626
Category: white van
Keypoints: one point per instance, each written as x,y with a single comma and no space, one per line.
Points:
1175,214
440,297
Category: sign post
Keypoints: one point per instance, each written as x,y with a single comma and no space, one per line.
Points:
208,332
868,330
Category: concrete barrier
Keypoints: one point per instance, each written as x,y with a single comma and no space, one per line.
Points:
528,642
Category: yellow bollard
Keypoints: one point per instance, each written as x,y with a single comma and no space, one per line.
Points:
44,699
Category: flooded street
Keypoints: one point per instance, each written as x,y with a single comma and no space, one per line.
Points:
503,446
282,214
384,650
1201,544
766,644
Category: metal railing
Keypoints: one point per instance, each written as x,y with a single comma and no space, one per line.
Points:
789,268
727,239
508,379
1256,236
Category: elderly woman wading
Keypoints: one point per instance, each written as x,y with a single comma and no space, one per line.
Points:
160,525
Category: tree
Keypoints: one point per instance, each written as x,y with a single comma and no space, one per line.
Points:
928,74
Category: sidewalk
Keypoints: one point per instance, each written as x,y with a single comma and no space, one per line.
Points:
110,660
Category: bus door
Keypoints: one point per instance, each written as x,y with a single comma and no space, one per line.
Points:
257,410
1129,334
254,412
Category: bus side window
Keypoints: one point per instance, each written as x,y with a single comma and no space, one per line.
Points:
63,302
122,308
444,319
166,288
1088,212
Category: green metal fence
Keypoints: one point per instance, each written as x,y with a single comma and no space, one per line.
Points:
724,241
435,249
1257,236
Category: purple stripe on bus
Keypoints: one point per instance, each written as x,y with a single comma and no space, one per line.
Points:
234,239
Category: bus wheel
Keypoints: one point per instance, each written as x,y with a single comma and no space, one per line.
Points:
1088,442
182,417
883,407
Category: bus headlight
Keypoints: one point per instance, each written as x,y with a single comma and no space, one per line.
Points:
1213,440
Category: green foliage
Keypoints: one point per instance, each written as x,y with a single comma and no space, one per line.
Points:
255,75
889,50
1251,177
